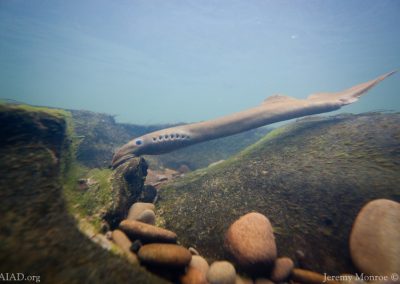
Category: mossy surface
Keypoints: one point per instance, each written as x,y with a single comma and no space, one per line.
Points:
37,234
309,178
91,202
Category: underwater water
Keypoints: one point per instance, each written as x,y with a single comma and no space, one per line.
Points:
138,144
151,62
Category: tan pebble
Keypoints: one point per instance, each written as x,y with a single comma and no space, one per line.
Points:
310,277
193,276
147,233
147,216
251,243
164,255
137,208
282,269
199,263
122,241
374,238
221,272
243,280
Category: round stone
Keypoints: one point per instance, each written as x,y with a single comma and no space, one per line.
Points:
193,276
122,241
282,269
221,272
137,208
164,255
147,233
199,263
251,243
147,216
375,238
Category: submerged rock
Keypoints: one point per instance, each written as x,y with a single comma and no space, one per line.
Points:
127,185
149,194
199,263
124,244
375,238
243,280
282,269
251,243
147,233
147,216
310,277
221,272
193,276
167,255
137,209
310,178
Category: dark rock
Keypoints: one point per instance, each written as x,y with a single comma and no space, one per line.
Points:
136,245
183,169
166,255
126,187
82,184
375,238
149,194
147,233
251,243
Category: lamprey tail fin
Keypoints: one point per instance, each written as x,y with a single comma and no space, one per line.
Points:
352,94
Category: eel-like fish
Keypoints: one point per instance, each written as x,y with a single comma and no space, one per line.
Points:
274,109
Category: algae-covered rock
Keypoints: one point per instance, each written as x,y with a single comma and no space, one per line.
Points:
37,235
126,187
309,178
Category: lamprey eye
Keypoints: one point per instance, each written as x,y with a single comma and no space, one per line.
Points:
138,142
